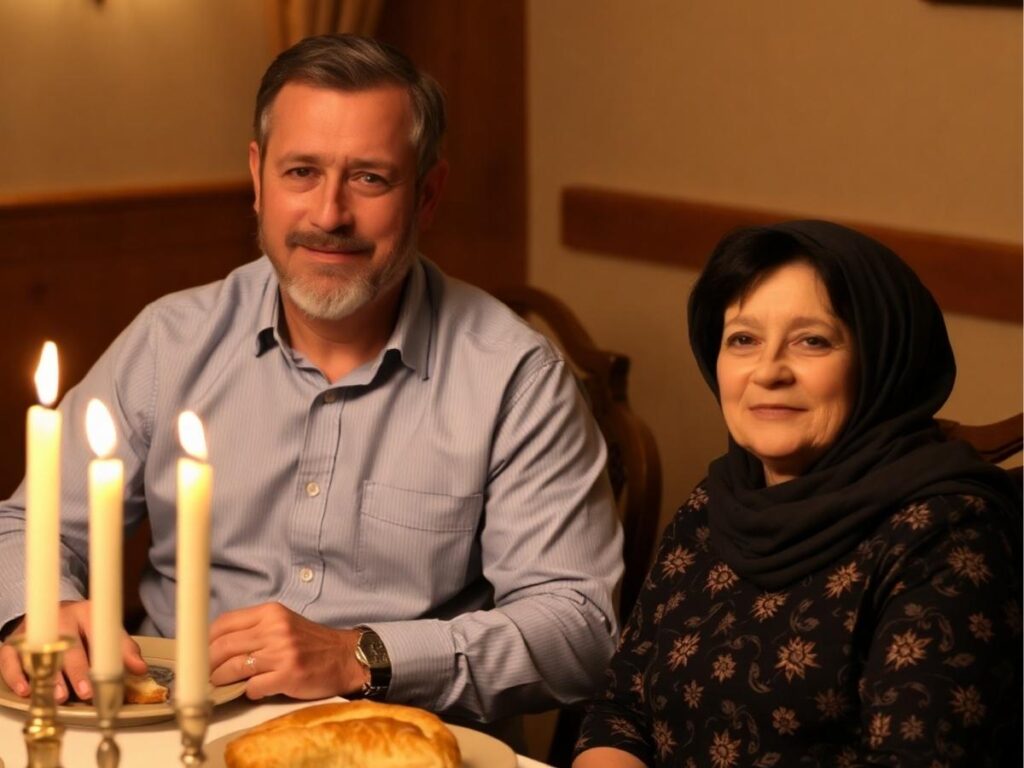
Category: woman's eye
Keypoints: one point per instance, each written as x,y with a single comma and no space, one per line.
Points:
815,342
739,340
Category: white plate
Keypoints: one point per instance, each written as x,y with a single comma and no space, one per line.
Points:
159,654
478,749
482,751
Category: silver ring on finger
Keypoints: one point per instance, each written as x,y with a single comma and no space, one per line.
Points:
250,664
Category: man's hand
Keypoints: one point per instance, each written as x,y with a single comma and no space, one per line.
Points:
73,620
289,654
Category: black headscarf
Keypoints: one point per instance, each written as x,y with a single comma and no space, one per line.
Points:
890,451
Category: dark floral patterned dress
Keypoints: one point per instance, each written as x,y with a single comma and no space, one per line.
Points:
905,652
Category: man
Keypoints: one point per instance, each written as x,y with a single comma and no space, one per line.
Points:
409,499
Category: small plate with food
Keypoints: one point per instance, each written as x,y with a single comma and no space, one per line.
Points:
148,698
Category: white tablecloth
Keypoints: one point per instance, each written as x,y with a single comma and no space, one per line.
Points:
150,746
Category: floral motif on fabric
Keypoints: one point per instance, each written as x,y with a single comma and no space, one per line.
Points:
842,580
795,657
906,649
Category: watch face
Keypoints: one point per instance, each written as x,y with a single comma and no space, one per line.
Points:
371,653
373,650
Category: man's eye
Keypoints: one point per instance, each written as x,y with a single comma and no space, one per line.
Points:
371,179
302,172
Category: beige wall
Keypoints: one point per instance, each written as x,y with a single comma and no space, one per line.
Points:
125,93
898,112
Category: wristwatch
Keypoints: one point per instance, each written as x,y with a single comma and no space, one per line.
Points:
371,653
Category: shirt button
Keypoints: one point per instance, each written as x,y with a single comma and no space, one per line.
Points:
330,396
306,575
312,489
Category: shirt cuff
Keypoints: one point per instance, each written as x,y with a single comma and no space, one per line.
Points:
422,655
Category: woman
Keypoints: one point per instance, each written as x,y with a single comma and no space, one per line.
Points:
842,590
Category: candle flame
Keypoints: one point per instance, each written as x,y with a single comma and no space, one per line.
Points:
46,374
190,433
99,428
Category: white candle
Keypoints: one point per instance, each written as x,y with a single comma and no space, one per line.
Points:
195,483
106,533
42,506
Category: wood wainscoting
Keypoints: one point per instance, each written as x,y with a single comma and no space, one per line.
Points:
973,277
77,268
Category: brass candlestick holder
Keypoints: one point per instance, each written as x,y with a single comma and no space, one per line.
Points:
43,734
107,696
192,721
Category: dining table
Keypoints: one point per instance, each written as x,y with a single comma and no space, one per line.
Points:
156,745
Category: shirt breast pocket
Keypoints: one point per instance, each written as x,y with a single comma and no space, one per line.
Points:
417,547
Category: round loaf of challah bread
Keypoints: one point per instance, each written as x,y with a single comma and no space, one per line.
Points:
355,734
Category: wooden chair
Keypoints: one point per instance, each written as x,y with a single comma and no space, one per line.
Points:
633,463
994,442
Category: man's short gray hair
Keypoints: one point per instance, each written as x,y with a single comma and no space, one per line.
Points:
353,63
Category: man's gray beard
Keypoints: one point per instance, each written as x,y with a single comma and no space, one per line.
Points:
357,289
336,304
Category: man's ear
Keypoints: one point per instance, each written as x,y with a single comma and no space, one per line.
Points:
430,193
254,171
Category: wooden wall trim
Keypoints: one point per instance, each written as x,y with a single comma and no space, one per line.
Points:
123,195
969,276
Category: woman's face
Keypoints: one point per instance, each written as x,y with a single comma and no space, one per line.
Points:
786,371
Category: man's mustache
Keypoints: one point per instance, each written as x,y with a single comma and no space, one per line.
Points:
325,241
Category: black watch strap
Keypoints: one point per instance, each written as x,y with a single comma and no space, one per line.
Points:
372,654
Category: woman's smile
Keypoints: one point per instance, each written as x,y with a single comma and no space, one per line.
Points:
776,411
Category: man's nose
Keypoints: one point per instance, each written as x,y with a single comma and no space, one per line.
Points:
332,210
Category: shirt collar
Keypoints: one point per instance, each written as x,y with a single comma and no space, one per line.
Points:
412,333
410,338
267,335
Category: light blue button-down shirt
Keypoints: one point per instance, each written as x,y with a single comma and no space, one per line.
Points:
451,493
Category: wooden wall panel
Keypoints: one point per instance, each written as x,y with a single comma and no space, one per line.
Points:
476,50
974,277
77,270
